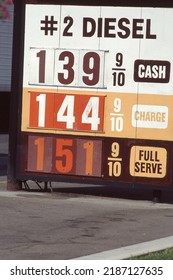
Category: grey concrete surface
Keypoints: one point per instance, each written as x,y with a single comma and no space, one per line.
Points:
37,225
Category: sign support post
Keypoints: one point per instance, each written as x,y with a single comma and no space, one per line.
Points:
12,182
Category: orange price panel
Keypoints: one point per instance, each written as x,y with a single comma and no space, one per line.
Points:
79,112
89,157
40,154
41,110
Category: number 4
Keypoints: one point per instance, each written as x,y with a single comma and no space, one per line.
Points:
91,113
89,116
66,111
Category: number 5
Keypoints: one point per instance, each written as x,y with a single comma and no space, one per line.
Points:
64,162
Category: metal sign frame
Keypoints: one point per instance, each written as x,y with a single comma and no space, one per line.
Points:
92,148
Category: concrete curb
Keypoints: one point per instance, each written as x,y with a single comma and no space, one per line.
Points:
131,251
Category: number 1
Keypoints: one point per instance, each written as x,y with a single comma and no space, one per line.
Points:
88,146
41,109
42,57
39,142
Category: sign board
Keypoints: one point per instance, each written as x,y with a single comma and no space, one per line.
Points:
97,93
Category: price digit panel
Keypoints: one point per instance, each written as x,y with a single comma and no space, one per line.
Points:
67,112
116,160
64,67
70,156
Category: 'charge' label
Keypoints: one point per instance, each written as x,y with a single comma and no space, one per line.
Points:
150,116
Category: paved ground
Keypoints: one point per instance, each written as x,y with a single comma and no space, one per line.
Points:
66,225
78,220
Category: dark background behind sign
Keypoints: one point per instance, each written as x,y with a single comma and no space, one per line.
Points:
137,3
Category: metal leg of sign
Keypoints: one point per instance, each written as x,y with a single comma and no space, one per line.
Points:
48,185
157,196
26,186
14,185
43,186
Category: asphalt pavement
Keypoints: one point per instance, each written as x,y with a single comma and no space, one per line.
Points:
80,221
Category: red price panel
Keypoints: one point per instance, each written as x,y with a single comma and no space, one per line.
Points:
73,156
67,112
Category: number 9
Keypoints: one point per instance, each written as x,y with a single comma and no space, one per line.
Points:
115,149
119,59
91,66
117,105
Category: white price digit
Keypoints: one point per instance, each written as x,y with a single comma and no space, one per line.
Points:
91,113
117,121
41,109
66,111
117,105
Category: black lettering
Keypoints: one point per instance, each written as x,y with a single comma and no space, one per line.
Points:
89,27
68,271
122,25
100,27
148,30
159,168
12,272
137,28
109,28
154,167
148,168
147,155
137,166
141,154
69,21
37,272
156,156
143,167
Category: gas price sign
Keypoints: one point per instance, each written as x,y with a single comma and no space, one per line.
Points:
98,93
